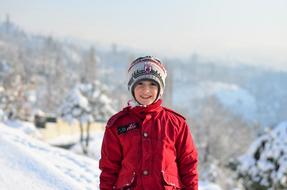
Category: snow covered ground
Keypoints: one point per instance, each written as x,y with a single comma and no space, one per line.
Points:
30,164
27,163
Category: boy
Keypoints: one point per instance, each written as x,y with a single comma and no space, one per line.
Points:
147,146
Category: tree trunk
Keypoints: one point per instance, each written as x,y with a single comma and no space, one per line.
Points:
82,139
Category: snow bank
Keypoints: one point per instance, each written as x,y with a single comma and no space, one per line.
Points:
27,163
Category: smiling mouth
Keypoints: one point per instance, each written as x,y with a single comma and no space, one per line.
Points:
148,97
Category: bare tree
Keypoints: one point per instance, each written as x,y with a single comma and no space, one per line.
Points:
220,136
90,62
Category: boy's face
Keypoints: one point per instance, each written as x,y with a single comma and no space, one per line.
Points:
146,91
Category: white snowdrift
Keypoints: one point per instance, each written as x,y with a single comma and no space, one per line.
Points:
27,163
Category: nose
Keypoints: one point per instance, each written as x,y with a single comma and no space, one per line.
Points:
146,89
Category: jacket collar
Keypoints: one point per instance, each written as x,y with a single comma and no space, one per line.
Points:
152,109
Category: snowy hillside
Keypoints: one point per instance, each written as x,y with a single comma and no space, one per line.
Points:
266,87
234,98
36,63
29,164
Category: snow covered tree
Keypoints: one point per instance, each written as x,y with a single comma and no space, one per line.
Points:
264,165
18,100
4,102
86,103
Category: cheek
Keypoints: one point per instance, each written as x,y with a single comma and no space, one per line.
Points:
155,90
137,92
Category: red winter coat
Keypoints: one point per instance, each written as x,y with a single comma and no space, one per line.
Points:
148,148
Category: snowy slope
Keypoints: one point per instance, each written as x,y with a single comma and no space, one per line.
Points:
29,164
234,98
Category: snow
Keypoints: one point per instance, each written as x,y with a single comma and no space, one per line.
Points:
84,102
72,54
208,186
28,163
236,99
266,160
26,127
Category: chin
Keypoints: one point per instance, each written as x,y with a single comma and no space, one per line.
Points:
146,103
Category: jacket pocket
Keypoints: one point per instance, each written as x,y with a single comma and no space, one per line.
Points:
125,181
171,181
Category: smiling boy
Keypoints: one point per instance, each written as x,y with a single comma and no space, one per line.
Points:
147,146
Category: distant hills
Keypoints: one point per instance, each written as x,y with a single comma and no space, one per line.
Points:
256,94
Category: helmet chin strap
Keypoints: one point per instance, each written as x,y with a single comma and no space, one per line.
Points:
157,97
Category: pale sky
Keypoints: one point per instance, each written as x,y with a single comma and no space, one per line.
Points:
251,30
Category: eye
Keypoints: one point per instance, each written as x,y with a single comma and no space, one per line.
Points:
140,83
153,84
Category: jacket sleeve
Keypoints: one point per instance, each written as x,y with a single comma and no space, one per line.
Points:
187,158
110,161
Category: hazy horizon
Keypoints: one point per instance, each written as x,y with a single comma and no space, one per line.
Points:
251,31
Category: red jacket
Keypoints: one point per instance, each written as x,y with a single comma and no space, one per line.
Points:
148,148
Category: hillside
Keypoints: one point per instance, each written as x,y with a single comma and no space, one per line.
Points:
50,67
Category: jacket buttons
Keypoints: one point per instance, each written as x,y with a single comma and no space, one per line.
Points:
145,172
145,134
148,117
